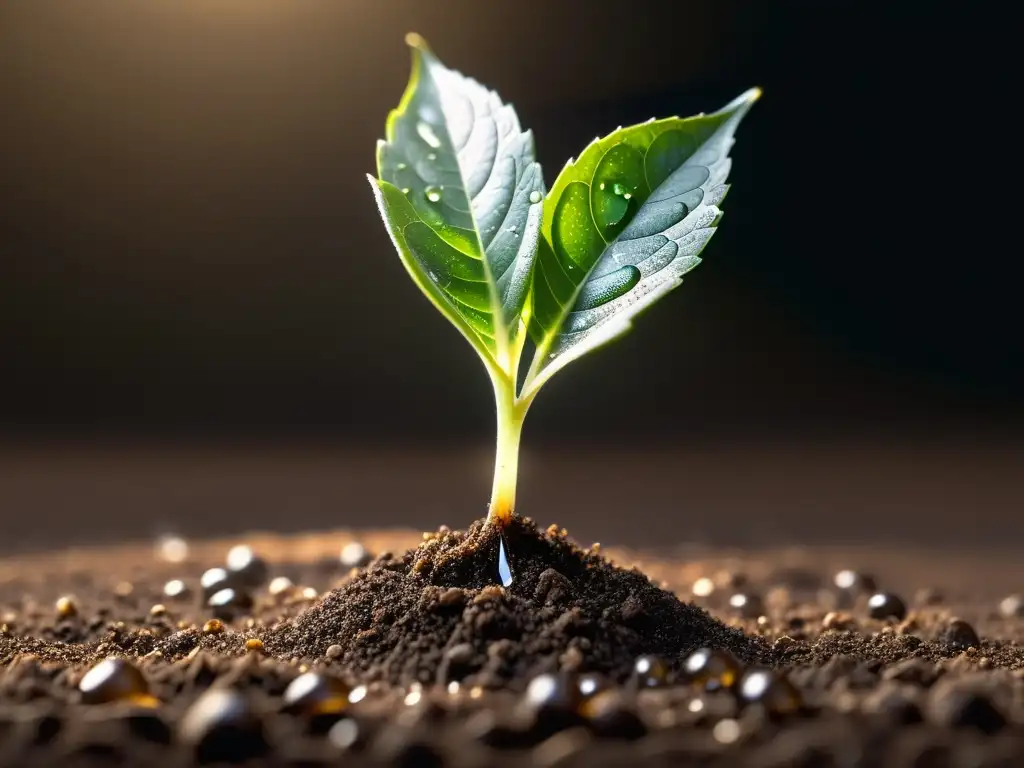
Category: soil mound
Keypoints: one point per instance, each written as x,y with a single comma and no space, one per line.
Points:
438,614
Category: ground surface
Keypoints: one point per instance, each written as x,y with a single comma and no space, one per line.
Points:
917,690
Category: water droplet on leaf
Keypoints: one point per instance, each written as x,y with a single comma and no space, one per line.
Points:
535,196
426,132
433,194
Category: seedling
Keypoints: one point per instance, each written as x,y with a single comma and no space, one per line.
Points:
464,202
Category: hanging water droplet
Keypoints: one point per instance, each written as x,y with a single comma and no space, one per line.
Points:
426,132
504,569
433,194
535,196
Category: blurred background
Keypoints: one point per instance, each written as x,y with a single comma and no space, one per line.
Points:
204,327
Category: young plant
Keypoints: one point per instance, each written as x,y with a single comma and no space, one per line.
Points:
464,202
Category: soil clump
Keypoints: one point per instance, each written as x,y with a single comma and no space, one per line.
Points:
437,614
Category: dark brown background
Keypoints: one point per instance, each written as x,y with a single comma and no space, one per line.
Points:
203,326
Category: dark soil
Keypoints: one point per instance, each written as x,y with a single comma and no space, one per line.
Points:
923,678
437,614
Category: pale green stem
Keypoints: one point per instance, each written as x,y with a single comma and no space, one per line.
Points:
511,414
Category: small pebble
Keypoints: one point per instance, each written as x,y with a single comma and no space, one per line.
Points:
334,652
254,645
115,679
279,585
712,668
213,627
609,716
650,672
551,692
175,589
765,688
747,605
1012,607
354,555
246,566
959,634
222,728
315,693
158,610
885,605
213,581
66,607
228,603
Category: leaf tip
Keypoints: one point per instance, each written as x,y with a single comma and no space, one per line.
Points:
744,101
415,40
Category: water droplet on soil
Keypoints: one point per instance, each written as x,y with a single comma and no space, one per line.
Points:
504,569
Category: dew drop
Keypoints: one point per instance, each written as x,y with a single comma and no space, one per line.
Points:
432,156
426,133
400,166
535,196
405,190
504,570
433,194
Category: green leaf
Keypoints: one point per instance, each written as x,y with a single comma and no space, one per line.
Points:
462,196
622,224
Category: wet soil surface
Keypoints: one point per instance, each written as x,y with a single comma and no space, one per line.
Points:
400,649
